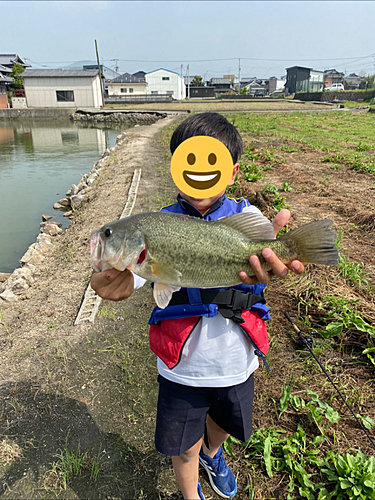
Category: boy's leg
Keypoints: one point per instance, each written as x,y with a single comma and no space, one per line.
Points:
185,467
215,437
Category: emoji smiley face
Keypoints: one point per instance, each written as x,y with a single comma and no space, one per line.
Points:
201,167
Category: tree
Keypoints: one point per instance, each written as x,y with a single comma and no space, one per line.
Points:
243,90
368,82
17,69
197,81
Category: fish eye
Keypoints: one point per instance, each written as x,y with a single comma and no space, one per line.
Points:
191,158
108,232
212,158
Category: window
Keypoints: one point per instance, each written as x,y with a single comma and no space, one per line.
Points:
123,91
165,77
131,91
65,95
154,92
170,92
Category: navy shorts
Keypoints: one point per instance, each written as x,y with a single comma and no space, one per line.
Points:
182,410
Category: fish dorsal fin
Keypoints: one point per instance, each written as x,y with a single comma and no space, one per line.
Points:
253,225
163,294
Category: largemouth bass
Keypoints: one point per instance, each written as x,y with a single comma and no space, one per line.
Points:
176,250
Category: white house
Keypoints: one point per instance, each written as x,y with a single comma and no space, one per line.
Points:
127,85
164,81
60,88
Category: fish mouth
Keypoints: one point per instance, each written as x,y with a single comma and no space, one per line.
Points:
201,180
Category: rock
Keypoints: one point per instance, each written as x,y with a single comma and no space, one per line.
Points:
73,190
46,217
91,178
68,214
51,229
19,286
57,206
8,296
80,198
69,192
64,202
4,277
43,224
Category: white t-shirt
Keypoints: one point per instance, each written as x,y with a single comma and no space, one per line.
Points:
216,354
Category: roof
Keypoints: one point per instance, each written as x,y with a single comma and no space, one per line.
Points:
220,81
5,79
4,69
10,59
127,78
59,73
163,69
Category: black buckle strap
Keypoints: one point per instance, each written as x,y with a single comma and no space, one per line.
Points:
230,301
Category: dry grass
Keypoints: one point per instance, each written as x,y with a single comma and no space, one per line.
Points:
9,452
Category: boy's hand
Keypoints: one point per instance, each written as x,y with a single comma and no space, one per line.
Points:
113,284
277,267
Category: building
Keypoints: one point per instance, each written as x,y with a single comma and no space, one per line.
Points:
332,76
301,79
165,82
8,60
276,84
221,85
201,92
127,85
60,88
5,82
352,81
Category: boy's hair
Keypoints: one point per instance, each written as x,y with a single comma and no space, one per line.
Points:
212,125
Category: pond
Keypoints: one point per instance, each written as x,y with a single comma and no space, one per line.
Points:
39,161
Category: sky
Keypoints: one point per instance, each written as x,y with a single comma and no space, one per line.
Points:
206,38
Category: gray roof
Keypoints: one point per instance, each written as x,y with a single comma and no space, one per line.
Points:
127,78
4,69
220,81
5,79
10,59
59,73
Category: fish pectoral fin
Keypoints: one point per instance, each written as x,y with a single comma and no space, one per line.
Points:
253,225
166,273
163,294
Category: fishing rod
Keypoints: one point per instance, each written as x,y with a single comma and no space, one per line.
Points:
305,342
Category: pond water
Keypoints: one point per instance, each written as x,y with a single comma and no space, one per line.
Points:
39,161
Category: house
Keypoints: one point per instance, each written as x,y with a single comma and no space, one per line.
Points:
5,82
201,92
165,82
301,79
221,85
8,60
332,76
127,84
352,81
276,84
60,88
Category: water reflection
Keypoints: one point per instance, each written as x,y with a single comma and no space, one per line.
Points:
39,161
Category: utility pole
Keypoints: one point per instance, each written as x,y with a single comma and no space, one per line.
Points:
188,79
239,75
100,71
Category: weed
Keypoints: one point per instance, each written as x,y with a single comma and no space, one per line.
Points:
286,186
69,464
107,312
362,147
335,166
251,172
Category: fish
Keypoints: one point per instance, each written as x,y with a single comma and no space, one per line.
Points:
177,250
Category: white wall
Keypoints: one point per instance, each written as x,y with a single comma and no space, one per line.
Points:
41,92
175,83
138,89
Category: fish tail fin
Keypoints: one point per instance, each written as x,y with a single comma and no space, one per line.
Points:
315,242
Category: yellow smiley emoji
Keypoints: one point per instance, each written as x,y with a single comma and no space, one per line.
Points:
201,167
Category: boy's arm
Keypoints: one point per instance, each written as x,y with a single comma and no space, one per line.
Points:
114,284
278,268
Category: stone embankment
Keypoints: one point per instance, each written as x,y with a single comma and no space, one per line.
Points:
129,117
16,284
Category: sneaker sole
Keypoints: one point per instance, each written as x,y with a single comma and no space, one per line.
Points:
216,490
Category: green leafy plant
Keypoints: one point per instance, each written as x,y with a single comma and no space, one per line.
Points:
353,476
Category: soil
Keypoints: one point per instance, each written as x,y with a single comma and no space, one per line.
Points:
92,388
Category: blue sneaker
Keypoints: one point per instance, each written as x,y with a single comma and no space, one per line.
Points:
221,477
200,493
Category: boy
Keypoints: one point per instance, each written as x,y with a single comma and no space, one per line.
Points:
206,365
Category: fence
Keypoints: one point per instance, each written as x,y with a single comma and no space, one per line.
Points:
138,99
